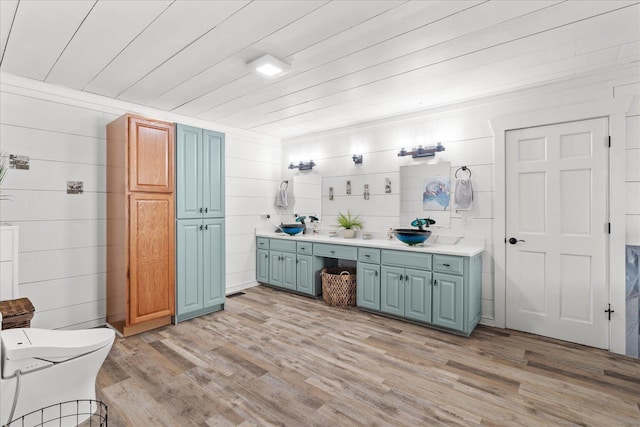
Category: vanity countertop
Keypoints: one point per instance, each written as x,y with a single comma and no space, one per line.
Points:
471,248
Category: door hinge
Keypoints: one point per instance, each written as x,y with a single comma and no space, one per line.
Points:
609,311
609,141
609,227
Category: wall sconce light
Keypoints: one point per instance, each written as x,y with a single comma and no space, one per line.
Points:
303,166
422,151
357,158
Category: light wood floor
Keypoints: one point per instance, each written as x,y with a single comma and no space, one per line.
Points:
272,358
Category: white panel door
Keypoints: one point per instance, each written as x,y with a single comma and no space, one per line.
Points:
557,210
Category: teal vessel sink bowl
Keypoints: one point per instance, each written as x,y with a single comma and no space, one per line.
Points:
292,229
411,236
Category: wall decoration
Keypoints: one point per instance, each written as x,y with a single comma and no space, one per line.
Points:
437,193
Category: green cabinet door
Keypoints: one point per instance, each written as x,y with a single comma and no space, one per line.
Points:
262,266
213,262
276,273
213,173
289,270
188,172
448,301
417,295
199,173
392,290
189,266
304,274
368,286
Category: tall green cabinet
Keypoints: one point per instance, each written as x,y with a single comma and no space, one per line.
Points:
200,223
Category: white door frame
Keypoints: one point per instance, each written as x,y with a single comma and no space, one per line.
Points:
615,110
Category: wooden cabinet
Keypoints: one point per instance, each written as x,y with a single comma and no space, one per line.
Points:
150,155
200,268
199,173
140,224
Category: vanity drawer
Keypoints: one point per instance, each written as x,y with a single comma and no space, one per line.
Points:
305,248
406,259
369,255
282,245
262,243
335,251
448,264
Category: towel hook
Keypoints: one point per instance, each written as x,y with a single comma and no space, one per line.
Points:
463,168
286,185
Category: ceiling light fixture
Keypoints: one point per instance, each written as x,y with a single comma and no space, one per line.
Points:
270,66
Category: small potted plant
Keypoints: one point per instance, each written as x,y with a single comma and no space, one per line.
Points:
349,223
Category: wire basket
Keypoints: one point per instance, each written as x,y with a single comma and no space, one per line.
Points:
84,413
339,286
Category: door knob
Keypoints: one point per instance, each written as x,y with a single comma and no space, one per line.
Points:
513,240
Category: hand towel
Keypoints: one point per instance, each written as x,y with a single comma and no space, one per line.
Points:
463,196
282,200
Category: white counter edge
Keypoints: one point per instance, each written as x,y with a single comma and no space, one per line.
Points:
463,248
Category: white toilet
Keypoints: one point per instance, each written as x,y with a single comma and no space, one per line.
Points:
52,366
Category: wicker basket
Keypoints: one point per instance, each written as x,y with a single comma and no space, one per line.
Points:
339,286
16,313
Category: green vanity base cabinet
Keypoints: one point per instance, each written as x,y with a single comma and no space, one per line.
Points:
441,291
200,267
289,265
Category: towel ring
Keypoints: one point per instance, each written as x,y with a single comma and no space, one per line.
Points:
463,168
286,185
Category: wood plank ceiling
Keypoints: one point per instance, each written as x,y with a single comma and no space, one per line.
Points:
352,61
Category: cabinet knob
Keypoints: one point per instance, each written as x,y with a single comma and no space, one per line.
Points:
206,210
200,210
447,265
206,227
367,256
376,273
435,282
200,227
406,277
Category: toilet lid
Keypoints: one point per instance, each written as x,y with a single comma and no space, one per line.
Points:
53,345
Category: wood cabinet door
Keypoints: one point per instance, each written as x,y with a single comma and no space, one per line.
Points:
151,257
151,152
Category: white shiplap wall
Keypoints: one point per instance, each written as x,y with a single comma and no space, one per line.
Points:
62,237
466,133
633,168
